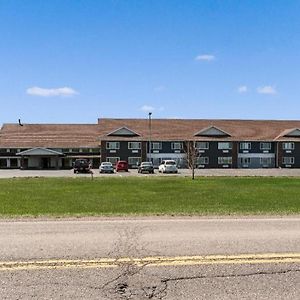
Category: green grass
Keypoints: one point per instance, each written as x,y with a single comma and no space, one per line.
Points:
148,196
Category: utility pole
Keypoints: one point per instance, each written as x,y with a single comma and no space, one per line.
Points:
149,115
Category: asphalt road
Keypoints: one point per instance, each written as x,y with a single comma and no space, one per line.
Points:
133,172
150,258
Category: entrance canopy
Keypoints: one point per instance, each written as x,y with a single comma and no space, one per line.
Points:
40,152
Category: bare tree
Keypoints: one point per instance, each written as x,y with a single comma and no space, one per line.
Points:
192,155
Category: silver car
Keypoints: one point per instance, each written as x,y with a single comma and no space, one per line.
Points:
106,167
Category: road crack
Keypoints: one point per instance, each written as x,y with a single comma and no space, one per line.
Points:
230,275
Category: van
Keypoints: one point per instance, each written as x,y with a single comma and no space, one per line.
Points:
82,166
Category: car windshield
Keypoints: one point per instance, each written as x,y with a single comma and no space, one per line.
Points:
81,162
170,162
106,164
147,164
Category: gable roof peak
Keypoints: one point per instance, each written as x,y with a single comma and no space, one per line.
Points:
40,151
295,132
123,131
212,131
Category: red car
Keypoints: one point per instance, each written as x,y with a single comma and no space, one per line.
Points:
122,165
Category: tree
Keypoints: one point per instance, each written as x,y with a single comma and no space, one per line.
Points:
192,155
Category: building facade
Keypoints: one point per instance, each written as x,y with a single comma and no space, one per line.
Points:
219,143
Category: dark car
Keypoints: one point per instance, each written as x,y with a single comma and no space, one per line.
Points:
122,165
146,166
82,166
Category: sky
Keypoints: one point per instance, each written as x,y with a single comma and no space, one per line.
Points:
73,61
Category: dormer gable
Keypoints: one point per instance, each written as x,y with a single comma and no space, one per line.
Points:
123,131
212,131
293,133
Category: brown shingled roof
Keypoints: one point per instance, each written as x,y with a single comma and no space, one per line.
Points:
49,135
89,135
185,129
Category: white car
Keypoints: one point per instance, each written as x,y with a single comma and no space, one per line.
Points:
168,166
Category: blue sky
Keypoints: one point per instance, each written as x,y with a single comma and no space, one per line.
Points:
74,61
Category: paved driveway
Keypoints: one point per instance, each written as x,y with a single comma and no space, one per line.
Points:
182,172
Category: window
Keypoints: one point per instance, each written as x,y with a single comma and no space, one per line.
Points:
7,150
176,146
134,145
113,145
288,146
70,150
288,160
13,162
90,150
224,145
265,146
3,163
134,161
112,160
245,146
202,145
80,150
156,146
227,160
245,160
265,161
203,160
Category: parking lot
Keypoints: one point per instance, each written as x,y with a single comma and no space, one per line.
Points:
134,172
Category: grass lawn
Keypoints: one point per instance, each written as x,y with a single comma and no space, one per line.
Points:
148,196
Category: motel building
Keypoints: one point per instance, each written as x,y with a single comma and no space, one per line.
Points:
220,143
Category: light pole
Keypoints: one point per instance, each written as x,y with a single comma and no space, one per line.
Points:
149,115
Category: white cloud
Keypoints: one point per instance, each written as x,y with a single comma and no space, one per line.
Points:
242,89
267,90
205,57
147,108
42,92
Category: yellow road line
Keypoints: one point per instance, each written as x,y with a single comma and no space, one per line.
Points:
154,261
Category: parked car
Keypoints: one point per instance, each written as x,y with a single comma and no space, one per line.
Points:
82,166
122,165
146,166
106,167
168,166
